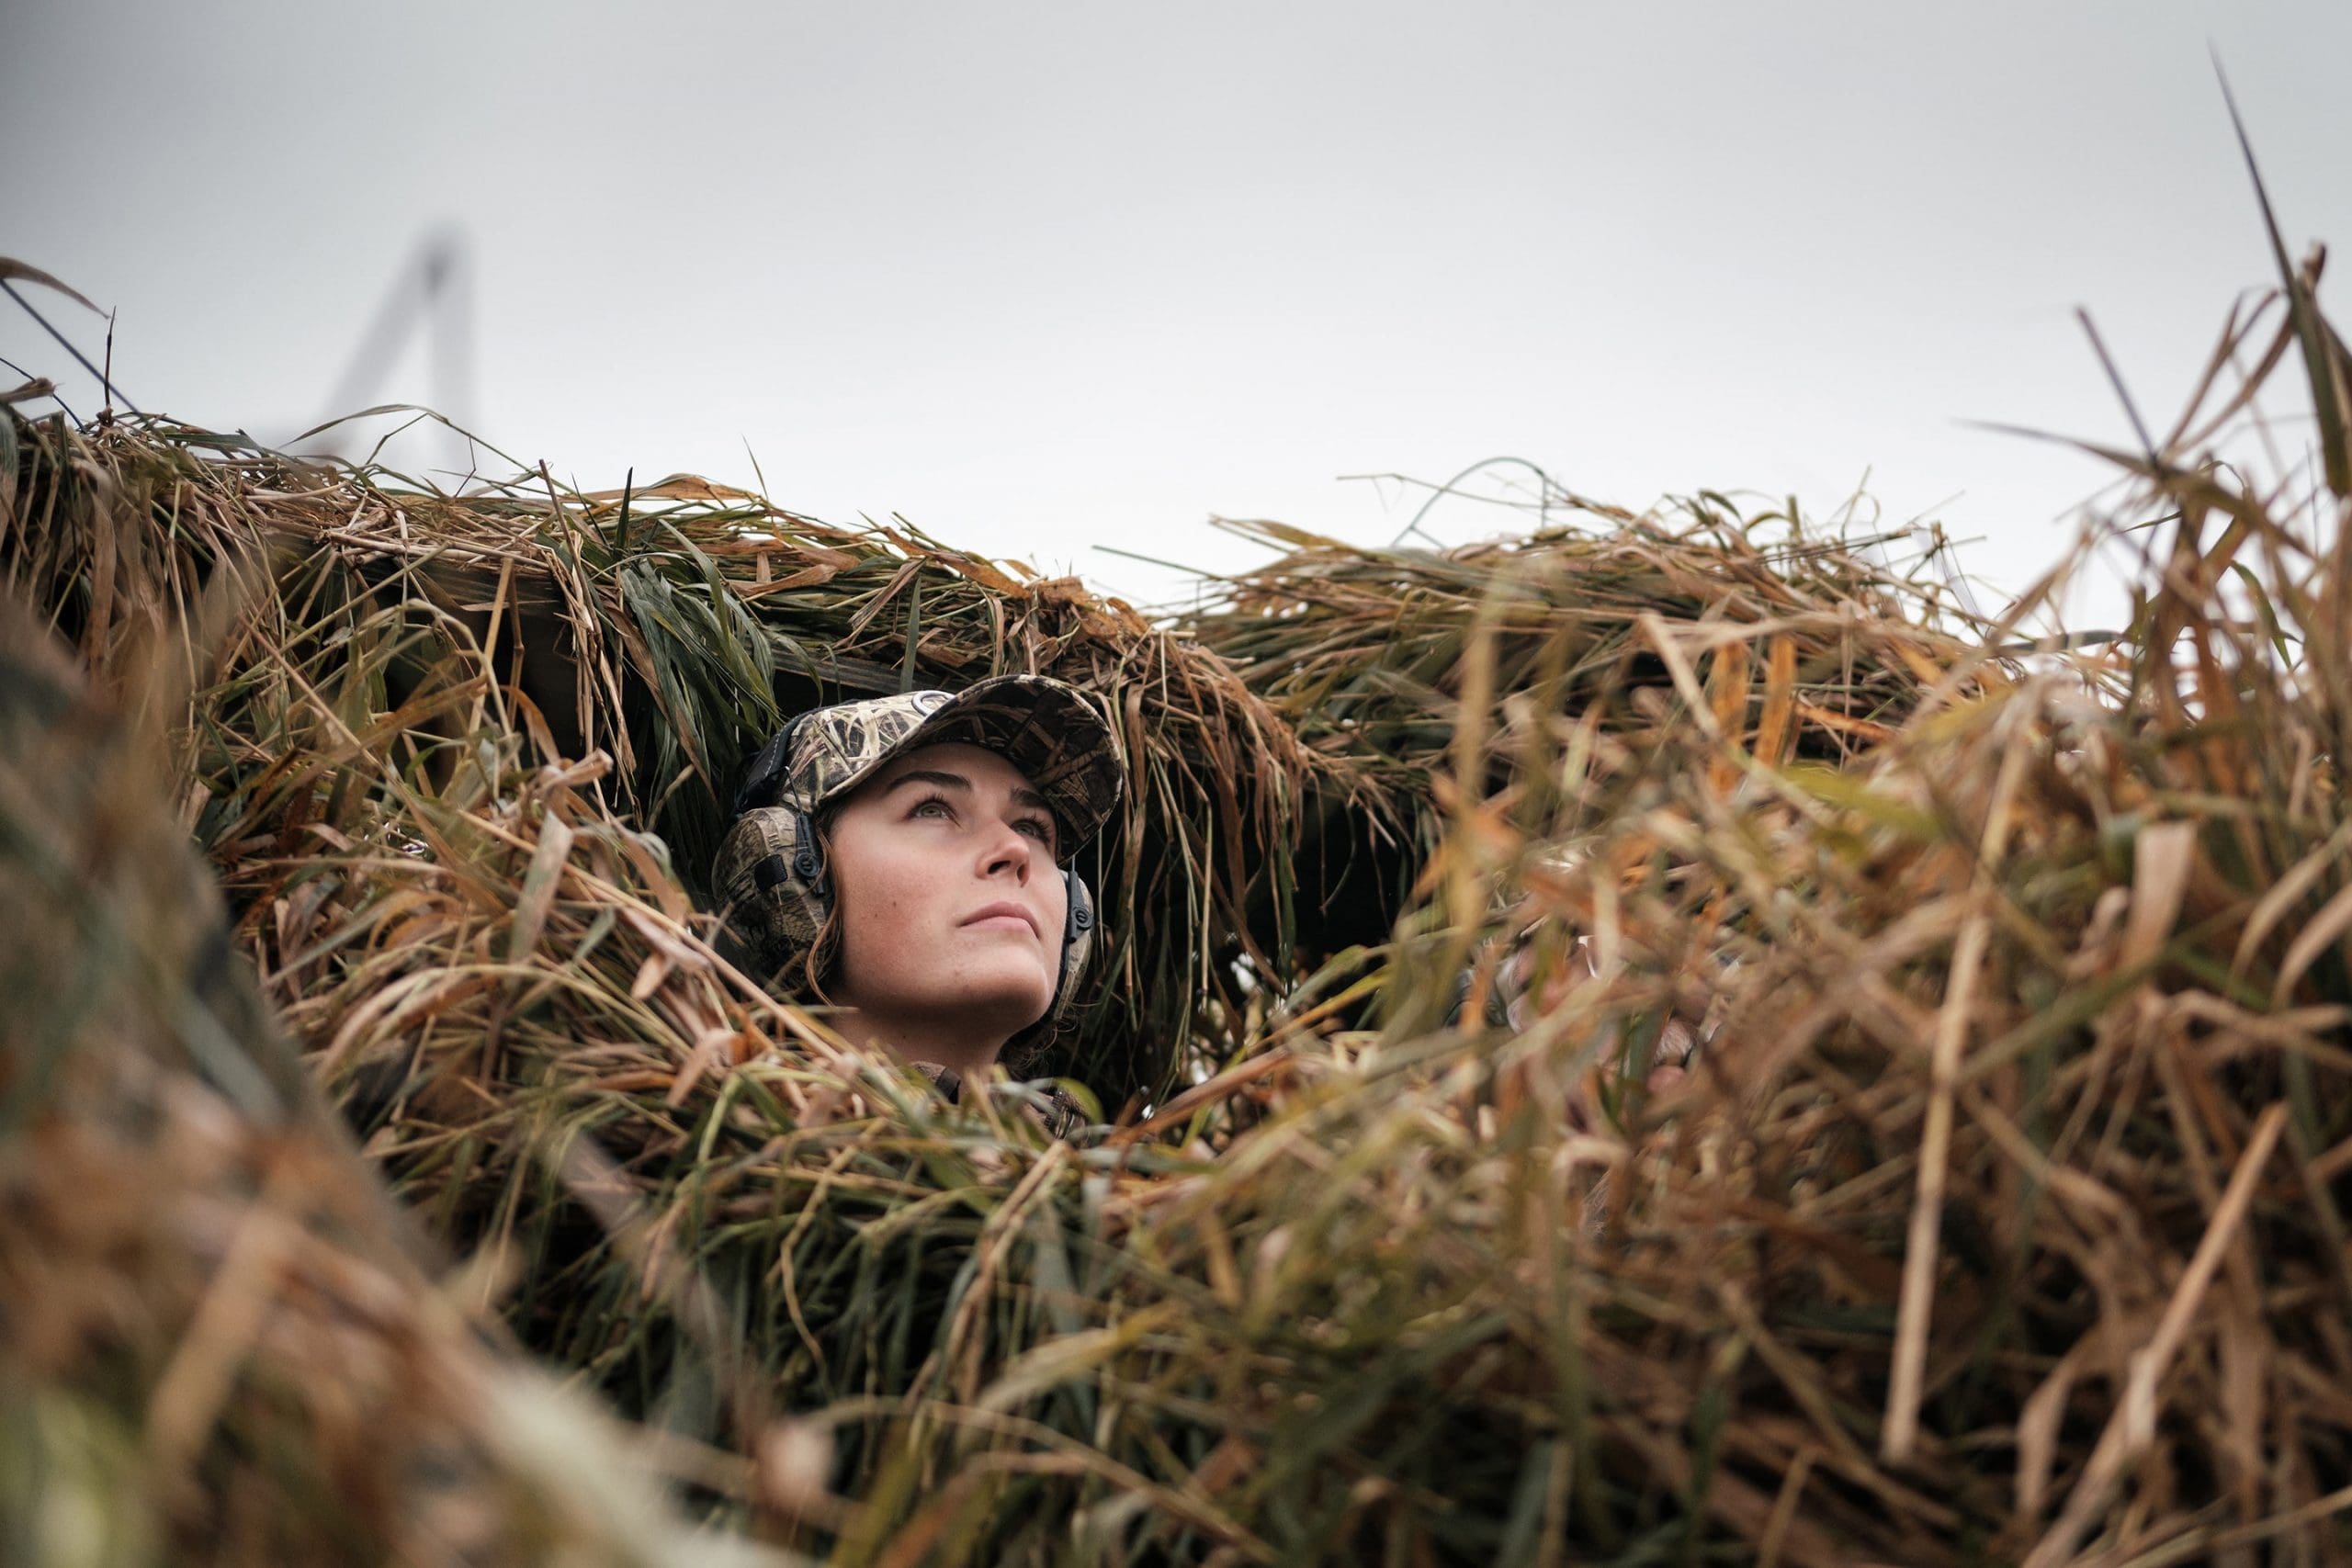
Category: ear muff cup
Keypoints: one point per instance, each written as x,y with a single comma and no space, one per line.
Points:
1078,946
775,898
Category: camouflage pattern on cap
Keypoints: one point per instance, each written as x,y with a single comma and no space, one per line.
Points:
1047,728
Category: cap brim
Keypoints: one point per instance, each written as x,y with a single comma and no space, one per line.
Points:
1050,731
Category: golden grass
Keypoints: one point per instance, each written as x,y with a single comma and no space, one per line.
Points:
2000,1221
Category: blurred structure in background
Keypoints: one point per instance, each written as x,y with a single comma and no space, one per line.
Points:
431,297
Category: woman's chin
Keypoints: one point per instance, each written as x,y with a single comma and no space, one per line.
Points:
1012,1011
1006,998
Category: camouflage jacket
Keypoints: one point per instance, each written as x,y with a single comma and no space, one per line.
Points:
1063,1116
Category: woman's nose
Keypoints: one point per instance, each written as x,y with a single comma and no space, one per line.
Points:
1008,849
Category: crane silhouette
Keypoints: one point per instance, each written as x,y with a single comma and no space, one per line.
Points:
432,294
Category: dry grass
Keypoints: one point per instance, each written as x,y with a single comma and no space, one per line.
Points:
1810,647
2000,1221
219,1342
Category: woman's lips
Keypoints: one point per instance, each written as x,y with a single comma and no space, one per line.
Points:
991,914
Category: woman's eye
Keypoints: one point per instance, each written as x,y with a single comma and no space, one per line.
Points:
1038,828
935,806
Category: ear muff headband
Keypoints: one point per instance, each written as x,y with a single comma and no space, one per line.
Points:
766,772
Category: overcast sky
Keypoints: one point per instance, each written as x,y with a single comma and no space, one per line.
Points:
1044,276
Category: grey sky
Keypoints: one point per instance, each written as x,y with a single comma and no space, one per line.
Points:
1042,276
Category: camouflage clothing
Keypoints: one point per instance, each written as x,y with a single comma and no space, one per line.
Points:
775,892
1064,1118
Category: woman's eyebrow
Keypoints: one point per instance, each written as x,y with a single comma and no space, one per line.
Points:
929,776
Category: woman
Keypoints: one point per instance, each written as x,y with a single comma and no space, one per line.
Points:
906,860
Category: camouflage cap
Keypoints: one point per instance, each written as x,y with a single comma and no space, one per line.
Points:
1047,729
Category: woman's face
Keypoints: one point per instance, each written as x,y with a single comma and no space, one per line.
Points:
949,905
